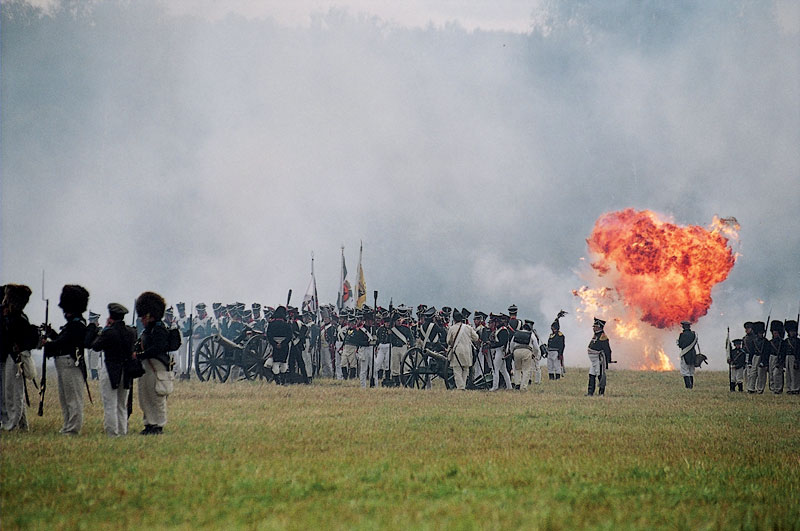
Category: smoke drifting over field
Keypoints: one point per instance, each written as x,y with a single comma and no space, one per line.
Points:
146,147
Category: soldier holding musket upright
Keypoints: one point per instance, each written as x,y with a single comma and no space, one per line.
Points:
792,358
279,335
777,349
737,359
599,357
67,349
498,344
759,358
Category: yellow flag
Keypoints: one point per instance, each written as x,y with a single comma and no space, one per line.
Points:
361,288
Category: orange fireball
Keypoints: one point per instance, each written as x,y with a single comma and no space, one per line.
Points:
666,271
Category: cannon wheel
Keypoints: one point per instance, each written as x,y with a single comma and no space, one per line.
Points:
210,363
253,357
414,369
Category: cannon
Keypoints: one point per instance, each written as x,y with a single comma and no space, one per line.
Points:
421,367
217,356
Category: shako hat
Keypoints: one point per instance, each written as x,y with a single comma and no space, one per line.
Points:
513,309
599,322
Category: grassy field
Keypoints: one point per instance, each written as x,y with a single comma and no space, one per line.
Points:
650,454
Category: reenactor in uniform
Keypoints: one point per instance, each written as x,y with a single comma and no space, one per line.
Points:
328,343
235,326
792,358
737,359
555,349
400,338
759,358
382,349
538,348
279,335
499,343
523,350
460,338
350,347
599,351
342,331
116,341
182,355
308,344
202,326
67,347
484,363
259,323
93,356
219,318
513,323
687,342
17,338
777,357
360,343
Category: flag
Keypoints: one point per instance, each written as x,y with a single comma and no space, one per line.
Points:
361,290
345,291
310,300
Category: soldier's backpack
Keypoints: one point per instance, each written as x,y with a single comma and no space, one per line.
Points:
522,337
173,339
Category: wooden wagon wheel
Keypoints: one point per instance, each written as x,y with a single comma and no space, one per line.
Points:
210,361
414,369
253,357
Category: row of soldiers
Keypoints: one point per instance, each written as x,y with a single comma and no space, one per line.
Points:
756,359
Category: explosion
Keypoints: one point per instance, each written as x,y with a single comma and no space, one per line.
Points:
653,273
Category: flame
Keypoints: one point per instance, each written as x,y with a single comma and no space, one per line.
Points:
648,276
664,270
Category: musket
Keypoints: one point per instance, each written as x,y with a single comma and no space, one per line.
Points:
43,381
189,346
129,405
728,352
375,346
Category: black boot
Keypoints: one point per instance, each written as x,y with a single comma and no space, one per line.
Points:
551,376
353,373
733,387
344,373
148,429
740,387
558,376
156,430
686,382
276,378
691,382
601,391
592,383
396,381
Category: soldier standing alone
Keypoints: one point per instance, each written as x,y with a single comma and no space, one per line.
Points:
599,356
687,342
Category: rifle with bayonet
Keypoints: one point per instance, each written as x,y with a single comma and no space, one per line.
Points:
45,329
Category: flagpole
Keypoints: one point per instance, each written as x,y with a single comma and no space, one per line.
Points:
340,302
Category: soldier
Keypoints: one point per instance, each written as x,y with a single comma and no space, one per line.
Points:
737,359
182,355
382,349
483,363
687,342
350,347
116,341
67,347
343,329
513,322
328,343
259,323
362,341
460,338
777,349
152,349
17,339
536,355
792,358
523,351
93,356
599,351
555,349
498,343
759,356
400,338
279,335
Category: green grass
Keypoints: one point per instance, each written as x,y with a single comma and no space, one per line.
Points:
648,455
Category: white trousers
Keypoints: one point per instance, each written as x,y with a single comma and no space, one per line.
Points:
687,369
364,356
154,406
338,360
115,405
792,375
14,397
553,363
70,394
775,375
499,368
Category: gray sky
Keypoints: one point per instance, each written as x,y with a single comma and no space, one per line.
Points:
205,154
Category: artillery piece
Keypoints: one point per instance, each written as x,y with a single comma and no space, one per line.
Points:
421,367
217,355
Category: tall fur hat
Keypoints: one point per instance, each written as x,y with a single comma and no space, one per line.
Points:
151,303
790,325
776,326
17,294
74,299
759,327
